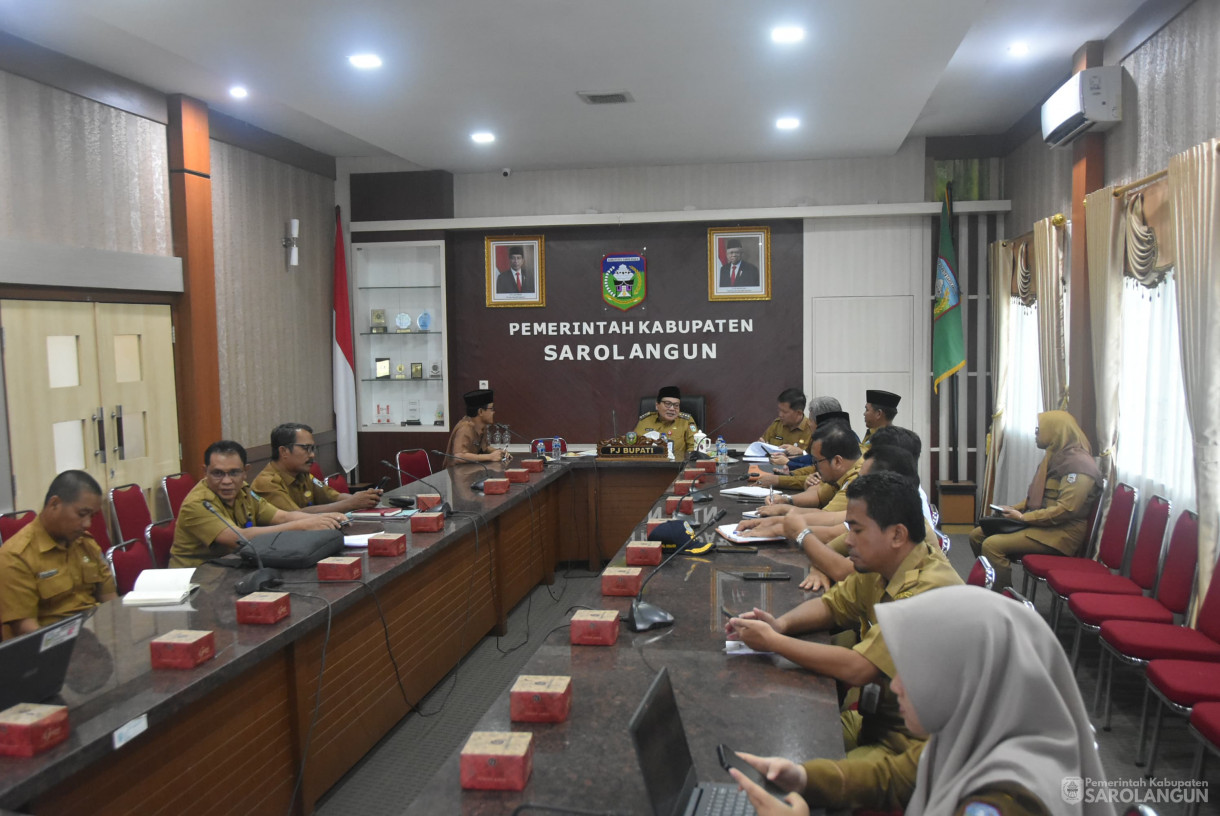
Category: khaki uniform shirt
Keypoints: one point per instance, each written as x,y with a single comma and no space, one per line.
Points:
466,439
1003,799
853,602
681,430
881,782
197,529
779,434
1062,520
40,578
303,490
866,442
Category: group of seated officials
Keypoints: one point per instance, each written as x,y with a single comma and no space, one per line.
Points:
858,513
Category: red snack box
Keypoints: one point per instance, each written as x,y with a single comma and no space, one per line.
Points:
655,523
706,465
339,568
492,487
540,698
594,627
426,501
533,465
679,504
182,649
622,580
497,760
427,522
643,553
388,544
683,487
695,474
517,475
263,607
30,728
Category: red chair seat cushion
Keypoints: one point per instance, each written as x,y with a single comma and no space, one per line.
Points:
1040,564
1186,682
1069,582
1149,641
1205,717
1093,609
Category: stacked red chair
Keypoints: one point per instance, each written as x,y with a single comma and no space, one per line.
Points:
1205,725
176,487
10,523
1178,685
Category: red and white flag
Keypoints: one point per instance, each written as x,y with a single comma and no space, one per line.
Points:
343,365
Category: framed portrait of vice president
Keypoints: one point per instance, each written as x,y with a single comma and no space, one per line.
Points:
515,270
739,263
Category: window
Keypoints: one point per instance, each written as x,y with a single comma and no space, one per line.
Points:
1020,457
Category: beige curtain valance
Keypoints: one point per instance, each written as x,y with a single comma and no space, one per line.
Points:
1023,286
1148,235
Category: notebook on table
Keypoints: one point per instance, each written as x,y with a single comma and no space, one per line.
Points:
33,666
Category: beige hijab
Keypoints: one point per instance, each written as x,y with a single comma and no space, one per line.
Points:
1067,451
993,687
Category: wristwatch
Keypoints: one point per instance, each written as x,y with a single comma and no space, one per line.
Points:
801,535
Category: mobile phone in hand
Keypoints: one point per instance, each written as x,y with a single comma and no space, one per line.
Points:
381,485
729,759
997,508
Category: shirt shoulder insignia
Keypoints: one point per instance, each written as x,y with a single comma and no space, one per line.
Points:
645,416
684,415
1071,478
314,479
980,809
257,498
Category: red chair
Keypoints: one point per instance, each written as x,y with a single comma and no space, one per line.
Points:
982,574
1009,592
176,488
97,529
316,470
1145,564
10,523
159,536
1205,725
1180,685
127,561
1173,589
1111,550
338,483
414,464
130,510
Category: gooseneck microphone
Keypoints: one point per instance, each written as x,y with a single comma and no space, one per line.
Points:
263,577
477,485
444,506
645,616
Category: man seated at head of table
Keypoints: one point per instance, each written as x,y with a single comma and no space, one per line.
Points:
469,438
201,536
286,481
669,419
893,560
790,429
52,568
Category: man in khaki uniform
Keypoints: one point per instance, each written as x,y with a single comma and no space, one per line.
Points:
287,483
802,473
469,438
669,419
201,536
880,408
791,429
52,567
886,542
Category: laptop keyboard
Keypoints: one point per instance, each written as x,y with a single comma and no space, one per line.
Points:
723,800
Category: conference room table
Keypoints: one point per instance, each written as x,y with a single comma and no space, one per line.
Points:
232,735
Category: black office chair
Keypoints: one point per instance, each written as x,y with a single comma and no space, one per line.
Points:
690,405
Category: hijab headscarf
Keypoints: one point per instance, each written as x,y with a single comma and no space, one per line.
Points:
991,684
1067,451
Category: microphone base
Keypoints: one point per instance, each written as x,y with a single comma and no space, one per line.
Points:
706,498
257,581
478,485
645,616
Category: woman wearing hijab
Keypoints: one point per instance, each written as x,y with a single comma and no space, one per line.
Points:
1013,741
1053,519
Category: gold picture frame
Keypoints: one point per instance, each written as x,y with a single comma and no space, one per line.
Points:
751,280
501,274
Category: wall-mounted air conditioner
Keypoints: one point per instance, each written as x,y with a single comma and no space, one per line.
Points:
1091,100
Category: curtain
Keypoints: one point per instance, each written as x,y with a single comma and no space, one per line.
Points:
1000,266
1194,184
1049,282
1105,236
1019,457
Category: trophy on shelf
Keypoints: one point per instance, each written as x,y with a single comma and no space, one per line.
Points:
417,371
383,414
412,413
400,371
440,415
377,321
402,323
424,321
434,370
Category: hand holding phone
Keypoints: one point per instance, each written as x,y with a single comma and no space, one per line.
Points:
381,485
729,759
997,508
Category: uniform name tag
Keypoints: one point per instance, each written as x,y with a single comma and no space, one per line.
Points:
1071,478
48,574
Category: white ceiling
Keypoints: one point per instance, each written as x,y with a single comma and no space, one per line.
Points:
708,82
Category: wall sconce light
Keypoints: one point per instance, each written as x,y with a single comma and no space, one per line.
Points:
290,242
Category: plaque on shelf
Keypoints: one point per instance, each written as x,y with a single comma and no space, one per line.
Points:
413,412
381,368
377,321
400,371
434,370
425,320
402,322
417,371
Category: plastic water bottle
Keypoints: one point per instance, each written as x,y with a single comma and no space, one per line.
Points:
722,451
556,447
540,449
669,447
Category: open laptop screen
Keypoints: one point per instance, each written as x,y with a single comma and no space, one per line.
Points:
660,745
33,666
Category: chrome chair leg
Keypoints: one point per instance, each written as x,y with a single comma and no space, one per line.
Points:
1139,746
1196,772
1101,678
1076,647
1156,737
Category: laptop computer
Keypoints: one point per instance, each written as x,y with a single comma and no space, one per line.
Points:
33,666
665,760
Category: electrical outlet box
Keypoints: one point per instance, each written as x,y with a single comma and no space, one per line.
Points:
483,384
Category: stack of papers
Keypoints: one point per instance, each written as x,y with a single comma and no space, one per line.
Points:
729,531
161,587
378,513
748,492
760,452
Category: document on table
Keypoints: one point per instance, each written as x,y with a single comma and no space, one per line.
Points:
358,540
736,647
760,452
161,587
748,492
729,531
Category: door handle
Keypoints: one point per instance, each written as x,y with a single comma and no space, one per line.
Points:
99,418
117,416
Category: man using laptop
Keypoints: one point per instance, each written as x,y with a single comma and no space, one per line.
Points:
52,568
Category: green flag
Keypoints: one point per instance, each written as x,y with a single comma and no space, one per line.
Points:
948,345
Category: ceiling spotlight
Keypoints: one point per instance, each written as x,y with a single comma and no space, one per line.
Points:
365,61
1018,49
483,137
787,35
238,92
787,123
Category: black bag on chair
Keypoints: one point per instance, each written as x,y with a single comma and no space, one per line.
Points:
294,549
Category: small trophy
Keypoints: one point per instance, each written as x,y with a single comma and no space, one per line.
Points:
440,415
400,371
413,412
402,323
424,321
377,321
417,371
434,370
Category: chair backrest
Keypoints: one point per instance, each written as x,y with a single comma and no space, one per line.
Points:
1149,541
338,483
982,574
1116,531
692,405
130,509
159,536
176,487
945,543
10,523
415,463
127,561
316,470
1178,575
1086,545
97,529
1209,612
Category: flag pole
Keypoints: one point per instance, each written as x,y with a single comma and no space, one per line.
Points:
954,473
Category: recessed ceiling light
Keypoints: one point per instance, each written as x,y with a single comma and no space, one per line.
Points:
238,92
483,137
787,34
787,123
365,60
1018,49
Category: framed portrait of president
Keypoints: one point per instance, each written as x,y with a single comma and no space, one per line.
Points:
516,270
739,263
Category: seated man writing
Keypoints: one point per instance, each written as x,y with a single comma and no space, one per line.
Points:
287,483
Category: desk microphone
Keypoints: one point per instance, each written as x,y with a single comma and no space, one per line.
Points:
263,577
645,616
695,497
478,484
444,506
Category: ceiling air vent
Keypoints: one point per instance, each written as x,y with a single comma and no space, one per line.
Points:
610,98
